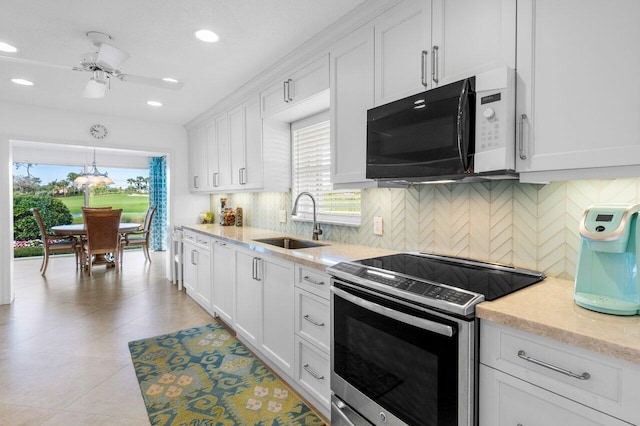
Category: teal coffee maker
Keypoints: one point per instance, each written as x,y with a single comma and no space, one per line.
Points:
607,273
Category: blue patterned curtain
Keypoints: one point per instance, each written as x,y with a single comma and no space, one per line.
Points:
158,199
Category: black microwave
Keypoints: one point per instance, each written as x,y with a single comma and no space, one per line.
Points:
463,130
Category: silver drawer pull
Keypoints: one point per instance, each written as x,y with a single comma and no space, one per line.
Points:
313,373
584,376
312,281
308,318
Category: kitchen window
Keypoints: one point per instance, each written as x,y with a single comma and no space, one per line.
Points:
312,173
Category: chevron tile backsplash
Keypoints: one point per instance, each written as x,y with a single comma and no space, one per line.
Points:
526,225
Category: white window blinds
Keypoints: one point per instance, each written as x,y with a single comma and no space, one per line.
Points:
312,173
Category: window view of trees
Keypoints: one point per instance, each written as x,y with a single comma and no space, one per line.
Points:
60,200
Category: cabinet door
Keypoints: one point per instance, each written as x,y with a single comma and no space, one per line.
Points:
190,268
204,285
212,163
351,96
223,178
278,312
469,37
403,51
506,401
248,299
224,281
236,143
252,175
197,159
578,83
275,98
309,80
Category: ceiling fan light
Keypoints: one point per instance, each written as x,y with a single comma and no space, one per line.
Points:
207,36
6,47
22,81
95,89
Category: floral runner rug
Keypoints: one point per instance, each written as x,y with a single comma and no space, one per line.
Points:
204,376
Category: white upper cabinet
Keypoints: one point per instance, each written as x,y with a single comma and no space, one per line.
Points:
198,159
245,139
578,86
223,152
403,51
351,96
470,37
421,44
301,85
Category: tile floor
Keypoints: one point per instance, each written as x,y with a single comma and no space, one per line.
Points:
64,358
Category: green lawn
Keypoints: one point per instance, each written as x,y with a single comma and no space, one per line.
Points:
133,207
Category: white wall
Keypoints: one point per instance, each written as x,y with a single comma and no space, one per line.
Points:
22,122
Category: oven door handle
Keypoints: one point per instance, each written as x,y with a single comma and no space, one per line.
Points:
425,324
338,410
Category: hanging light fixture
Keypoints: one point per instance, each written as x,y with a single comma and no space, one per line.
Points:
93,176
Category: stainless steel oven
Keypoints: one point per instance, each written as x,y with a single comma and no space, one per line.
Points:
404,339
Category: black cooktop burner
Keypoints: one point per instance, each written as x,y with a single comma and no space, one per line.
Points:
487,279
445,283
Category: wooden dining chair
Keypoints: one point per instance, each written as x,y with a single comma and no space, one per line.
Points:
102,236
54,243
140,238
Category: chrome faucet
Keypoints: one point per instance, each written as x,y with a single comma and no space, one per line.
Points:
316,229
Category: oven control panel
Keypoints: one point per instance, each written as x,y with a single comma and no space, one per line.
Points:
403,283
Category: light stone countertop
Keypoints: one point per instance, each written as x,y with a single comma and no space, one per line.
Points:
315,257
547,309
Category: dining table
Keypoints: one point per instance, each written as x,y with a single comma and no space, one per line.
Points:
79,230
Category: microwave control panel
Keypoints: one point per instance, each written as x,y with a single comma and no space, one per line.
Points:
495,120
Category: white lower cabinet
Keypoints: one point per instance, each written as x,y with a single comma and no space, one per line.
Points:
248,297
508,401
197,268
277,311
313,333
531,380
224,286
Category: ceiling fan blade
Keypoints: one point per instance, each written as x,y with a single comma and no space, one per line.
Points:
111,57
94,90
18,60
150,81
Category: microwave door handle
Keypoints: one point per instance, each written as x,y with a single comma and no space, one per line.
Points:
422,323
463,149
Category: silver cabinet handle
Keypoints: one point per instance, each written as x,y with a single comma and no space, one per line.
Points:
313,373
312,281
195,181
425,324
434,65
285,93
308,318
521,152
255,269
584,376
193,258
242,175
215,179
425,83
289,90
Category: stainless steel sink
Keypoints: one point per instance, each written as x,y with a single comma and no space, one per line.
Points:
289,243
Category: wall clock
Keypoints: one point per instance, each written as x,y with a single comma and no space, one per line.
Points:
98,131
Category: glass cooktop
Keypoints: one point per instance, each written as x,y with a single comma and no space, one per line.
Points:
457,281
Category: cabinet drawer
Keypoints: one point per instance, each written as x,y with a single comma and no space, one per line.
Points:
506,400
204,242
313,281
604,383
189,236
313,371
312,319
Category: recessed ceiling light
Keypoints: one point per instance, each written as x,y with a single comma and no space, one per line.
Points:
208,36
6,47
22,81
154,103
170,80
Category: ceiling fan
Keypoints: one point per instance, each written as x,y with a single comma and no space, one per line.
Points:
104,64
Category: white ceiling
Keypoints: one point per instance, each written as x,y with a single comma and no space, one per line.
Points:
254,34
